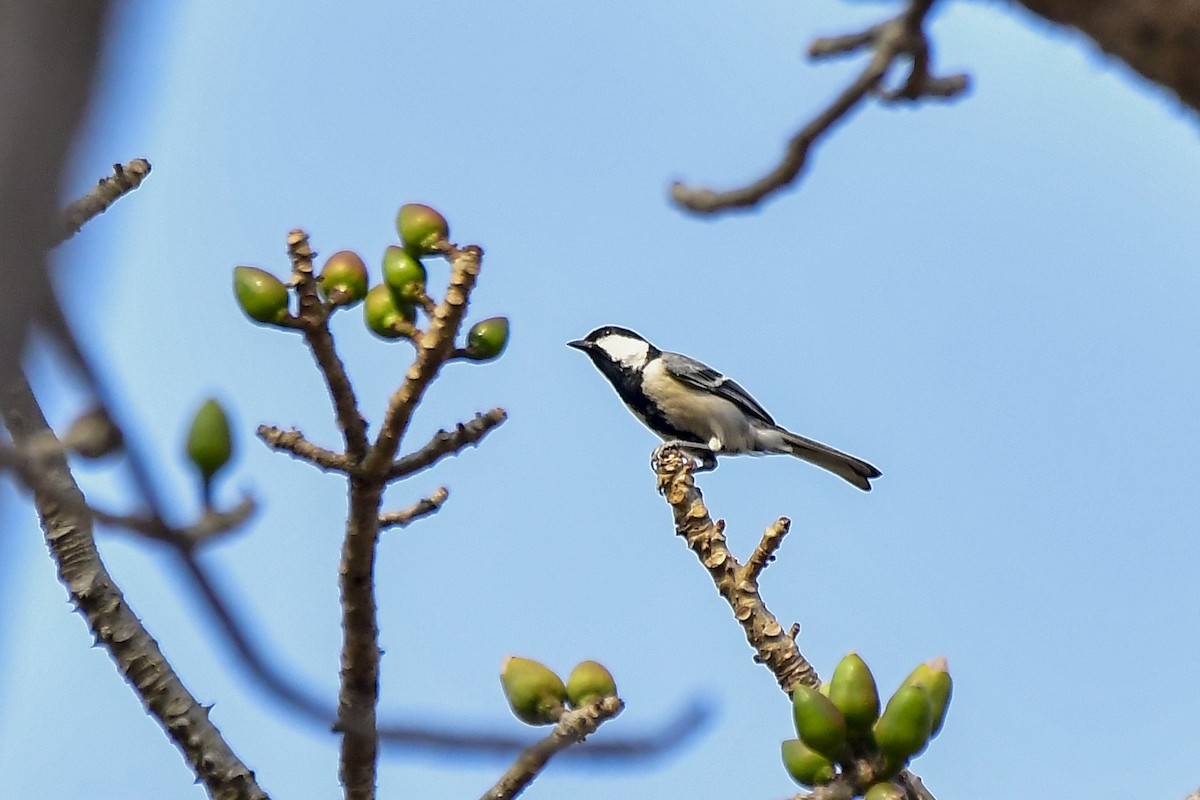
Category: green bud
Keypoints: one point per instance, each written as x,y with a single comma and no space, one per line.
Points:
533,691
421,228
885,791
807,767
487,339
934,678
818,722
589,681
343,279
209,444
403,274
383,316
904,727
852,690
261,295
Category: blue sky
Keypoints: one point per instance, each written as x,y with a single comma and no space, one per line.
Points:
993,301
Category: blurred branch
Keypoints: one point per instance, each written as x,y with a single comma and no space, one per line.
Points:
69,535
212,525
313,316
447,443
125,179
1158,38
572,728
773,646
422,508
295,443
897,39
51,49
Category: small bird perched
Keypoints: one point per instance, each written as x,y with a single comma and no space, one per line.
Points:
692,405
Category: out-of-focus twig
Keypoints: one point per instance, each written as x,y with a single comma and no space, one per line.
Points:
897,39
572,728
214,524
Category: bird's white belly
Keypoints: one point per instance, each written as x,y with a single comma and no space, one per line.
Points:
713,420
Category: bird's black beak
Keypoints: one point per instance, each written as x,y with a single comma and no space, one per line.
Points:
579,344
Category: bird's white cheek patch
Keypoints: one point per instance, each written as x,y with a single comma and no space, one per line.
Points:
631,353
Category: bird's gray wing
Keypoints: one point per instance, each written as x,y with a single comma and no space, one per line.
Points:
701,376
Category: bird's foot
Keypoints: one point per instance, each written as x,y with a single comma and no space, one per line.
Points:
666,452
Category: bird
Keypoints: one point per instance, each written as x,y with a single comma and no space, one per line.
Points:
691,405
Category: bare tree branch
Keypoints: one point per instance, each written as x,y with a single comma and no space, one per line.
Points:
422,508
68,529
774,648
765,552
572,728
901,37
448,443
295,443
772,645
435,347
313,316
125,179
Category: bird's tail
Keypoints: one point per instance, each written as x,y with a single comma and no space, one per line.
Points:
846,466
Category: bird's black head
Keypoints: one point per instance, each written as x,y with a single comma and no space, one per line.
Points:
615,348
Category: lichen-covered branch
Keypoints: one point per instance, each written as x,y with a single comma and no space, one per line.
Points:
898,38
418,510
773,646
445,443
68,530
125,178
572,728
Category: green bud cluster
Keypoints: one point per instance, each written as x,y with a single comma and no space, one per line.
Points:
840,724
537,696
391,307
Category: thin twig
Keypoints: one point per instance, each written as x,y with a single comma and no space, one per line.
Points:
572,728
296,444
125,179
314,318
773,646
68,529
446,443
901,37
765,552
422,508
